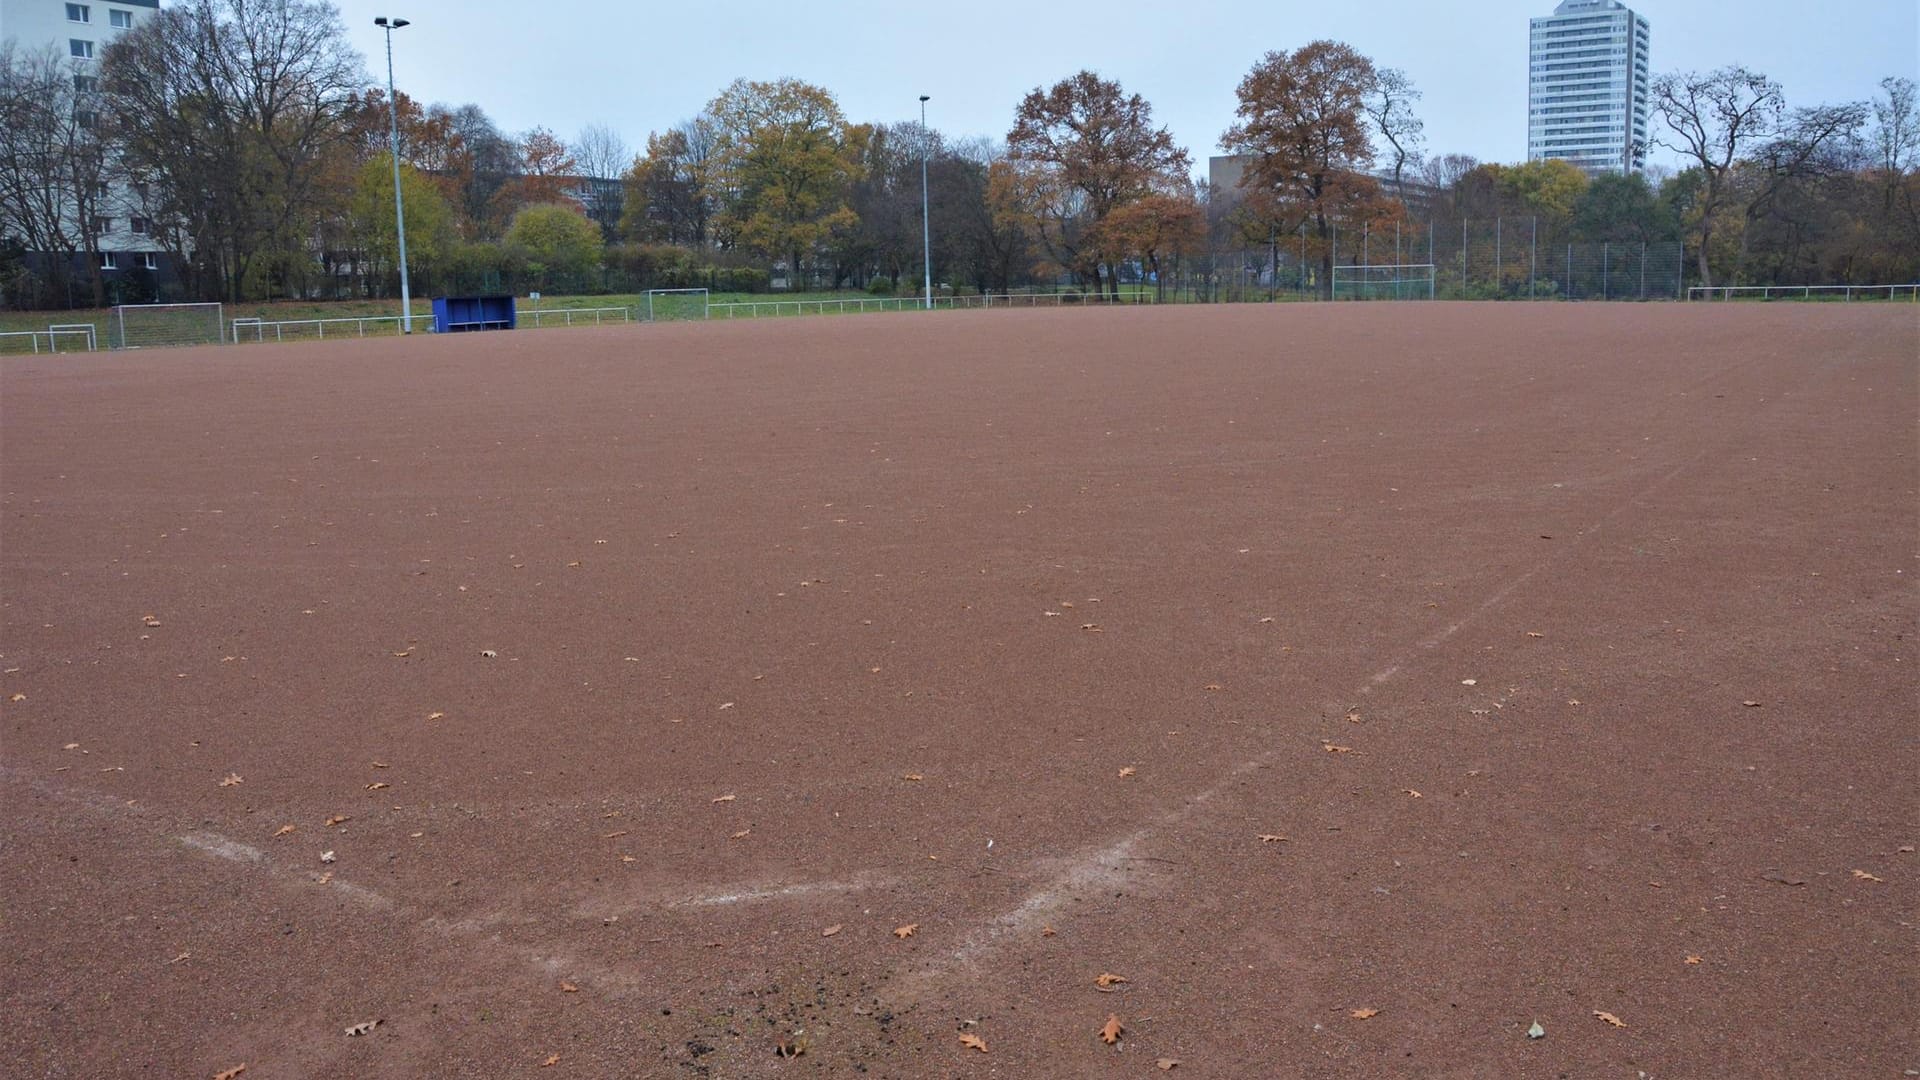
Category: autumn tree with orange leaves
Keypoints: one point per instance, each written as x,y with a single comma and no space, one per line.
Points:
1304,125
1077,153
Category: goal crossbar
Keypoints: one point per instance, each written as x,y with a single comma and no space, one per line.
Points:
704,296
138,326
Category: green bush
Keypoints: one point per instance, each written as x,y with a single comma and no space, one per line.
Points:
881,285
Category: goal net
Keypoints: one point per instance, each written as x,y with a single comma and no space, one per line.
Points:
668,305
1383,281
149,326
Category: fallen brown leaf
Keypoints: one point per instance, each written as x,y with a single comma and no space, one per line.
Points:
231,779
614,833
552,1060
1751,704
914,776
1333,749
1127,771
1411,794
568,988
832,930
283,830
1047,931
324,878
1535,633
1167,1064
1271,838
1609,1018
339,819
726,798
380,765
1092,628
1693,959
907,931
18,697
1110,1031
1862,875
150,620
1363,1014
973,1042
435,715
229,1074
363,1028
1214,687
742,834
377,785
1107,978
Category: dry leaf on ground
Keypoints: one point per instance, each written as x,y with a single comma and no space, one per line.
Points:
1862,875
1609,1018
1127,771
435,715
1047,931
339,818
832,930
568,988
912,776
973,1042
229,1074
1363,1014
1333,749
1111,1031
231,779
18,697
725,798
552,1060
1271,838
742,834
150,620
907,931
363,1027
614,833
1751,704
1107,978
1693,959
1167,1064
283,830
326,856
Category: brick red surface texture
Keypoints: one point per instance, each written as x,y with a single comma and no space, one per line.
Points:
1570,649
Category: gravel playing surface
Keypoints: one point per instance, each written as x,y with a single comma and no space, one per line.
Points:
1481,665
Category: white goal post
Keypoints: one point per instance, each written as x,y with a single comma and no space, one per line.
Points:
149,326
669,304
1385,281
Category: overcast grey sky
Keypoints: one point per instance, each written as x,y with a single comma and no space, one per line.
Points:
641,67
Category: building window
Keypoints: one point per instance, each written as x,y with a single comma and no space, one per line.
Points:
86,119
108,261
80,49
79,13
148,261
140,226
85,84
102,226
121,20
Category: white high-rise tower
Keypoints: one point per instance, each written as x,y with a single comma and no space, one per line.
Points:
1587,87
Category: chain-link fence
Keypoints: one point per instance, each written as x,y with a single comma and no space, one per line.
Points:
1477,259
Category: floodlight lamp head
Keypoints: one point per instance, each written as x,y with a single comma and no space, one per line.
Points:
379,20
926,97
398,23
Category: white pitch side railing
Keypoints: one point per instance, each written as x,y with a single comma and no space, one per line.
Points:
1803,292
83,337
258,330
754,309
586,316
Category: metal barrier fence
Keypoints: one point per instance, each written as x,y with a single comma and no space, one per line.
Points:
755,309
1803,292
566,315
28,342
259,330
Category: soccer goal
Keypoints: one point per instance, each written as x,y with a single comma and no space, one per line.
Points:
1384,281
149,326
667,305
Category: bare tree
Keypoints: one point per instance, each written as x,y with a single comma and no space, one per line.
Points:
1896,132
1390,107
1716,119
234,110
602,157
53,163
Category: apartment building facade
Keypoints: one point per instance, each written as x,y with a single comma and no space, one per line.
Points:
1588,79
123,249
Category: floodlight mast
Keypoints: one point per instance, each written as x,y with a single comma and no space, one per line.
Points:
926,225
399,206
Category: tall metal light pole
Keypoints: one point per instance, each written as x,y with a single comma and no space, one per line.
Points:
926,225
399,207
